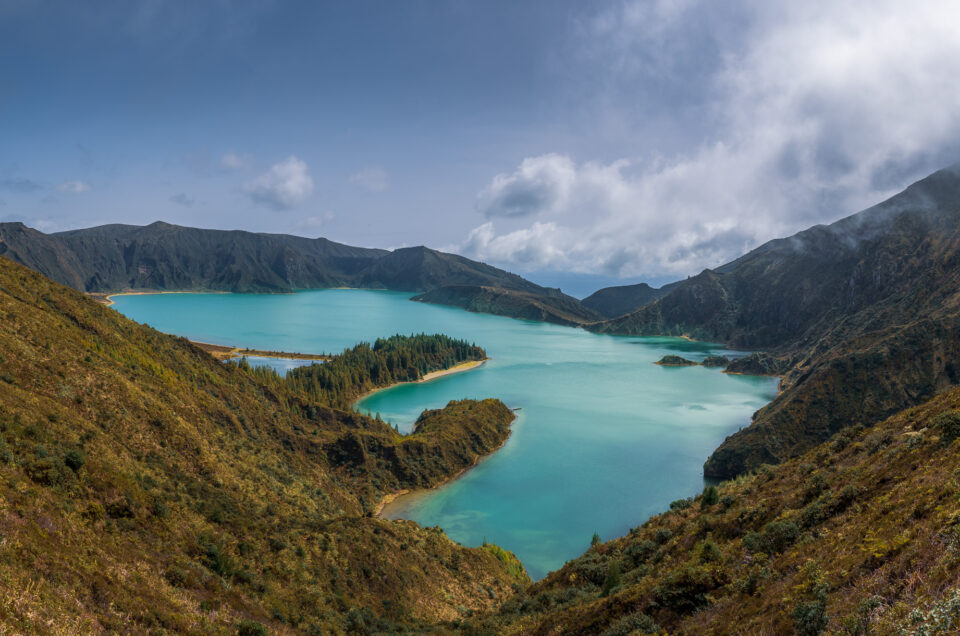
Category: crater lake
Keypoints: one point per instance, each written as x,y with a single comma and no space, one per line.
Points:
603,438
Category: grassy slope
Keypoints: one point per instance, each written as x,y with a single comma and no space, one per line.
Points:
145,485
867,523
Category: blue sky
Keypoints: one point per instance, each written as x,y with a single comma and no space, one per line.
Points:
634,139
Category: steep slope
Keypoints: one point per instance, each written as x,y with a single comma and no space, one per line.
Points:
788,293
166,257
858,536
144,486
422,269
556,308
170,257
612,302
863,313
43,253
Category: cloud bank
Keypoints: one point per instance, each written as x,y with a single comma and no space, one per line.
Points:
812,111
284,186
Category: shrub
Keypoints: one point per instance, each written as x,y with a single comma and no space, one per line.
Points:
860,623
637,553
810,613
592,567
632,624
176,577
709,552
947,425
811,616
159,508
847,496
662,535
217,560
818,484
775,537
816,513
680,504
942,618
840,441
47,471
686,590
750,583
74,460
251,628
613,579
710,497
595,540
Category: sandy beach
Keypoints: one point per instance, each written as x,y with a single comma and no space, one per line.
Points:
107,299
433,375
224,352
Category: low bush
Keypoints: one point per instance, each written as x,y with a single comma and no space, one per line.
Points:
775,537
947,426
681,504
251,628
613,580
632,624
710,497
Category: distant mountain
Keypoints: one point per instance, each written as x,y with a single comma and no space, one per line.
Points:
422,269
611,302
166,257
557,308
865,314
170,257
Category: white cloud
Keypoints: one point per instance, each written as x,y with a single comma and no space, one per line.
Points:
540,184
284,186
372,179
236,161
815,110
74,187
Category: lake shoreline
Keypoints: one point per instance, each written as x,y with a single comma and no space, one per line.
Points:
592,410
389,498
106,299
227,352
433,375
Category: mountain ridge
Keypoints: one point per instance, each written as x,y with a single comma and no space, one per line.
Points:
166,257
829,303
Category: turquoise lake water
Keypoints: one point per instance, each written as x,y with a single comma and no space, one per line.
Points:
604,438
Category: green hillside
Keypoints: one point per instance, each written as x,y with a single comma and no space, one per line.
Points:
860,317
145,486
858,536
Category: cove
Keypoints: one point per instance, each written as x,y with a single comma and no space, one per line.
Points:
603,438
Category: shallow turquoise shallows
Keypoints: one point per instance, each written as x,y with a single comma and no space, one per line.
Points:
603,439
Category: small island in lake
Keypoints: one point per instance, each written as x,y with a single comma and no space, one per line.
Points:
675,361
